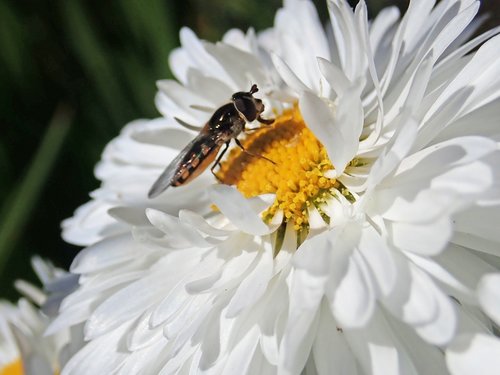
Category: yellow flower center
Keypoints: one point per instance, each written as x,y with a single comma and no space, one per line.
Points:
13,368
16,368
296,174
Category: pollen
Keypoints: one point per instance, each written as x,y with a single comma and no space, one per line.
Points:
284,159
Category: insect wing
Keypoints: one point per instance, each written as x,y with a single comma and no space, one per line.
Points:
167,177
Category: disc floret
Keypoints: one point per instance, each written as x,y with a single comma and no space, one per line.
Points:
298,176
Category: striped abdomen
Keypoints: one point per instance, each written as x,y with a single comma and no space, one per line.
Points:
197,159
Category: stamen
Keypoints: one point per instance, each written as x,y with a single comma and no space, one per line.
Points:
297,176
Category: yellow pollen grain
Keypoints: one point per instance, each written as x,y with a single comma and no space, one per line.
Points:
297,175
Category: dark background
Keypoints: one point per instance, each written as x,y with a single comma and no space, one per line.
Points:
95,64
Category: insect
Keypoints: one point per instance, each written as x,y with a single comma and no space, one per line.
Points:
226,124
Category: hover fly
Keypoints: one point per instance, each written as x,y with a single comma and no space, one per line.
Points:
226,123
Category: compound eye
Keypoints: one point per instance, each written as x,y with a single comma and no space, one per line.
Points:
246,107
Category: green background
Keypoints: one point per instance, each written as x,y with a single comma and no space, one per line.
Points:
72,73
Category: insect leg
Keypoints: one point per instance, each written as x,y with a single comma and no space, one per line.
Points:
217,161
267,121
251,153
254,130
263,121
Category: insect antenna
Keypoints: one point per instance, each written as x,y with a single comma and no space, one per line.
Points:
251,153
186,125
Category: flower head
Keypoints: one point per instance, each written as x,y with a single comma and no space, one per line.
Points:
351,236
24,348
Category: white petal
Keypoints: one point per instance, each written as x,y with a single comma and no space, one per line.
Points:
489,296
199,56
297,342
378,258
427,359
381,24
400,146
348,40
426,238
338,132
238,209
334,76
175,229
219,91
320,118
448,267
483,119
198,221
413,299
475,183
132,216
90,224
353,301
92,359
111,251
465,48
138,145
316,221
298,27
288,75
261,366
474,354
141,335
474,221
332,355
188,320
479,72
234,61
175,299
179,63
119,308
178,101
314,255
377,349
441,330
243,260
253,286
400,205
476,243
241,356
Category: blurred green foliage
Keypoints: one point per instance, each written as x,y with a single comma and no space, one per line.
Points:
100,58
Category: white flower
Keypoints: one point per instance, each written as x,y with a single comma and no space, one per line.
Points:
24,349
130,163
378,253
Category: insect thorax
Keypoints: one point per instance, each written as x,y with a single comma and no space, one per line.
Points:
227,122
